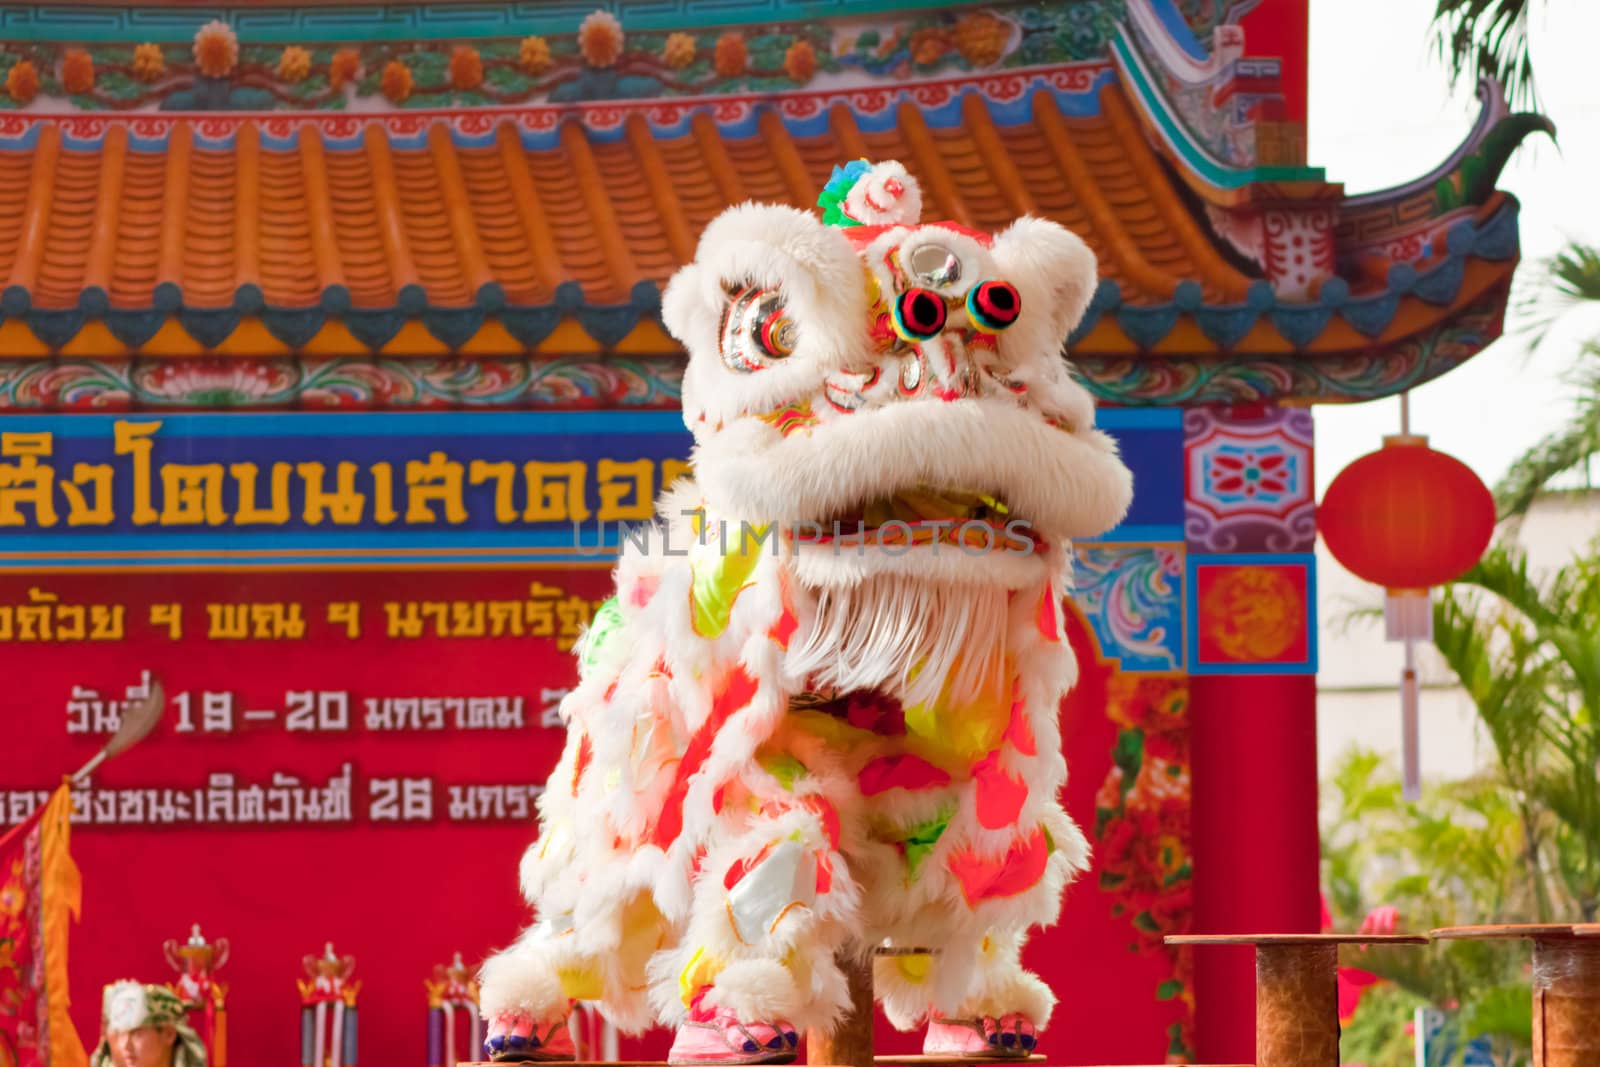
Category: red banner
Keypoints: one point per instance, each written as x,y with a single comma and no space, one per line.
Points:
346,756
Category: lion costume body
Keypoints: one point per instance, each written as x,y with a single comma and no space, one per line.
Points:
820,715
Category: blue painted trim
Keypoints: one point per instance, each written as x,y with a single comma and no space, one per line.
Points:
1191,612
372,423
261,24
1139,419
235,541
1164,535
1181,33
223,561
1015,112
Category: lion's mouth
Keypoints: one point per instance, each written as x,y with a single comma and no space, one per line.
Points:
924,515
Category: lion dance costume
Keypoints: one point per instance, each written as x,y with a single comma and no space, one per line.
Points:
819,717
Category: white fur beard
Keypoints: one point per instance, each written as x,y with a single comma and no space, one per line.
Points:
916,641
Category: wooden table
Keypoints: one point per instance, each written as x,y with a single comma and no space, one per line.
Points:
1297,991
1566,987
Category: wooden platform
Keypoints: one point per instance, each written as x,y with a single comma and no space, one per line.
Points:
887,1061
1514,931
916,1059
1277,940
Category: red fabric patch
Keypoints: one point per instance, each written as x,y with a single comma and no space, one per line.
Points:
999,795
988,878
737,691
788,622
899,772
1019,731
828,814
1049,622
581,764
744,867
824,872
643,590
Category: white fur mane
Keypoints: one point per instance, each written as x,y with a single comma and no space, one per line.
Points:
909,639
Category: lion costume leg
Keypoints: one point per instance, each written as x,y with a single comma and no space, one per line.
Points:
1000,1012
772,902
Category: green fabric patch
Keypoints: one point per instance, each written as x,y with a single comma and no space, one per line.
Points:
784,767
920,838
602,628
717,582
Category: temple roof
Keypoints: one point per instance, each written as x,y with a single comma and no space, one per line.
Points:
503,230
438,212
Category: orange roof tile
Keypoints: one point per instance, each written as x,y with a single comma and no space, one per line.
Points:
451,219
465,216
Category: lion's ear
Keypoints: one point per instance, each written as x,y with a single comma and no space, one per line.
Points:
773,302
687,302
810,266
1055,273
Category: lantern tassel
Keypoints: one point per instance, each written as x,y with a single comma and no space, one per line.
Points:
1408,615
1410,730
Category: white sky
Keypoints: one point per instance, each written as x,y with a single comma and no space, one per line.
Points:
1380,115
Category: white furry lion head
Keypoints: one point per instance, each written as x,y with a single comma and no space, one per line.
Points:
894,394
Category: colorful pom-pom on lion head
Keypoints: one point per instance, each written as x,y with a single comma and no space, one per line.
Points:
870,194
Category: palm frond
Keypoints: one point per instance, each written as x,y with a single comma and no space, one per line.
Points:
1558,284
1487,38
1504,573
1566,449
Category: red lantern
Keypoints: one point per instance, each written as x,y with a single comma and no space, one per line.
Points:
1406,517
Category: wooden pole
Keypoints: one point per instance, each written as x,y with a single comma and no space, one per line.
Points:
850,1044
1566,987
1297,1006
1297,993
1566,1001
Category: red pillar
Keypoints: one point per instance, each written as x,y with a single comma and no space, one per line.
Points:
1256,847
1282,29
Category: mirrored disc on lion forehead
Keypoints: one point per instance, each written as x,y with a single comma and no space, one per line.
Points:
935,265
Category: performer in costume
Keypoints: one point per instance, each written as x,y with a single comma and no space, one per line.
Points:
820,714
145,1026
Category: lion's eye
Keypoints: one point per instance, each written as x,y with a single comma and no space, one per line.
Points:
776,334
758,330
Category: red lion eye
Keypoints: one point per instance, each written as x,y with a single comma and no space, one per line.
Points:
992,306
918,314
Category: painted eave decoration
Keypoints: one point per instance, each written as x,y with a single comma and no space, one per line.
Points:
541,233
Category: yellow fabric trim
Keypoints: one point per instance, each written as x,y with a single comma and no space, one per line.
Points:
913,968
954,736
580,983
829,728
61,886
700,972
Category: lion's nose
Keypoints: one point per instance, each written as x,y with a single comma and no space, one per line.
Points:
950,368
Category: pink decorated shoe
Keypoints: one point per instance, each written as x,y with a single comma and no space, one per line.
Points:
716,1036
514,1037
1008,1037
